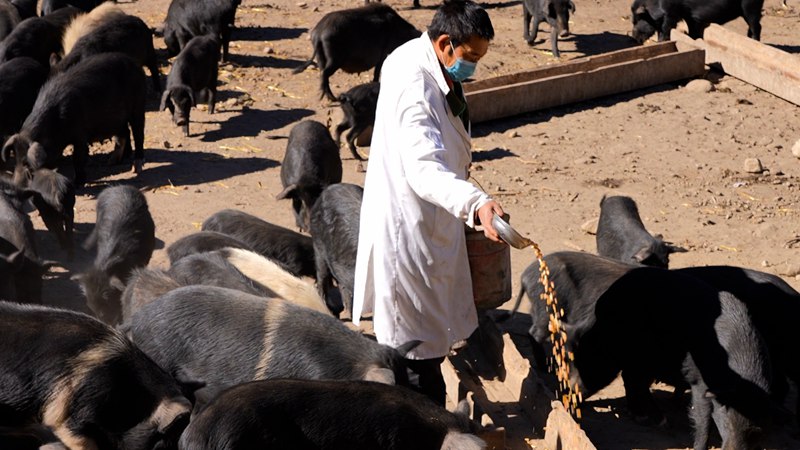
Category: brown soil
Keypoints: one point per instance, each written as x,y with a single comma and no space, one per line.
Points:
679,154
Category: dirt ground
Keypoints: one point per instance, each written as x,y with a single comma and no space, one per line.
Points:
679,154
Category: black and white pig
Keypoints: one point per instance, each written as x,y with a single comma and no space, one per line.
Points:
334,229
54,198
118,33
95,100
311,163
9,18
293,251
338,41
201,242
20,268
225,337
20,82
124,235
311,415
35,38
188,18
661,16
645,322
358,105
248,272
554,12
193,78
85,22
85,381
621,235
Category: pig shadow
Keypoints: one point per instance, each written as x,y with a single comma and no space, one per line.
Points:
491,155
266,33
181,167
263,61
497,5
786,48
253,121
595,44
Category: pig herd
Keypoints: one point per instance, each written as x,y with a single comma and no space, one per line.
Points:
723,333
233,346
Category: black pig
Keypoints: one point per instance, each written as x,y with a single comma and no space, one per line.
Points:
124,235
35,38
188,18
334,229
358,105
621,235
661,16
193,78
291,250
201,242
95,100
311,163
338,41
242,337
85,381
554,12
283,413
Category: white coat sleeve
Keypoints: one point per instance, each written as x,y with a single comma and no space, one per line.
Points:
423,154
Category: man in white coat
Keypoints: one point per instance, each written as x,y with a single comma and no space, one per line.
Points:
412,270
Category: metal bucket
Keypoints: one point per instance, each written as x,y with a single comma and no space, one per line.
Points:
490,268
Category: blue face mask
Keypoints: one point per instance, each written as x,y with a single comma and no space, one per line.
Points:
462,69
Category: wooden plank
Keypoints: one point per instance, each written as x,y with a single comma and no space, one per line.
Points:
577,65
761,65
498,102
564,433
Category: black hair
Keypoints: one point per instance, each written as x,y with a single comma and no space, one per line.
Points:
460,19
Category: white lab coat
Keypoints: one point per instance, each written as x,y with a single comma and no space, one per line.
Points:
412,270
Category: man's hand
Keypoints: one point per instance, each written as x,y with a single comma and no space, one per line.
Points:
485,214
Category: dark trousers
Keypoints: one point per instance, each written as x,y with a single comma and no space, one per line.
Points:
429,378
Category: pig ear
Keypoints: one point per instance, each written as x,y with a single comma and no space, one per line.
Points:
407,347
286,192
9,145
191,97
380,375
640,10
572,7
165,101
16,260
462,409
643,254
54,59
116,283
37,155
674,248
709,394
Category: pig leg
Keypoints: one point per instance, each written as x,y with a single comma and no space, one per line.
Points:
640,400
225,34
351,141
122,142
325,82
212,99
80,154
701,416
537,19
416,4
325,281
376,76
695,29
137,127
526,24
752,15
152,66
554,36
343,125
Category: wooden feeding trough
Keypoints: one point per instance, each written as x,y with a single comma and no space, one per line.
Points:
582,79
